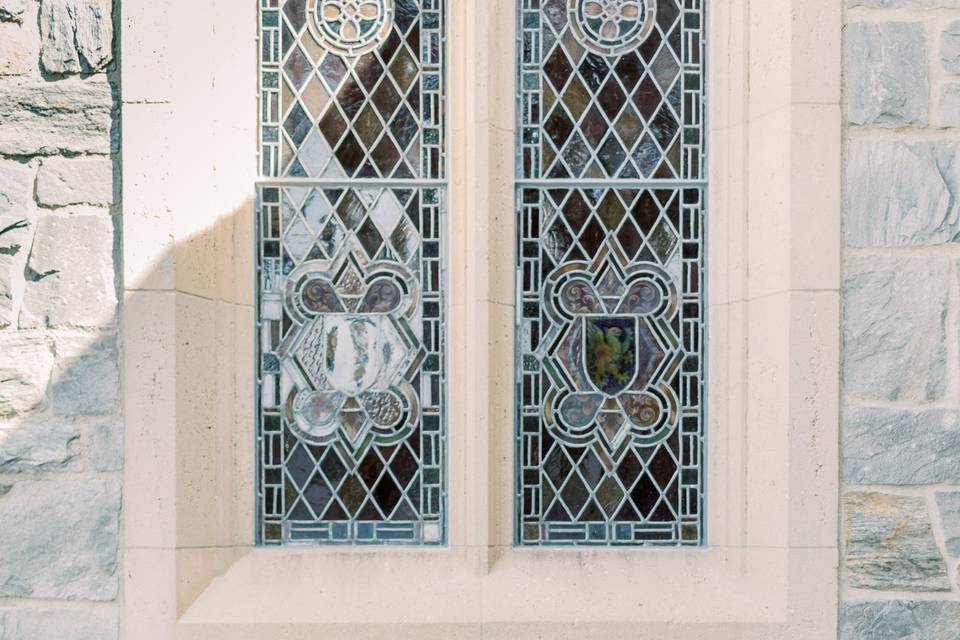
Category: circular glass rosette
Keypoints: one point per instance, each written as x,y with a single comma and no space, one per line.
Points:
611,27
350,27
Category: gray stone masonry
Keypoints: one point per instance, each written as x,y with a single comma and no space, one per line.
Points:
77,35
890,544
895,332
886,74
66,181
899,620
950,47
949,505
902,194
60,624
900,425
61,432
892,447
948,106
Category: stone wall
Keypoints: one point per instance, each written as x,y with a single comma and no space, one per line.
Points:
901,359
60,423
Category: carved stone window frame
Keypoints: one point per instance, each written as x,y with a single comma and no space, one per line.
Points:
769,568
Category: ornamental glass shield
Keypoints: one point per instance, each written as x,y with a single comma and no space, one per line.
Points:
351,424
610,282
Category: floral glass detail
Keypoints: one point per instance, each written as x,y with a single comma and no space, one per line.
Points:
351,27
612,26
610,298
351,289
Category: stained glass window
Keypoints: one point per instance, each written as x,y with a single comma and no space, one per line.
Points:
610,248
351,275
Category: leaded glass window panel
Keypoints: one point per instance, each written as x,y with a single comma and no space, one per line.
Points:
610,279
351,273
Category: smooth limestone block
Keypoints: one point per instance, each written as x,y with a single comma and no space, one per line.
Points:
26,364
38,443
890,544
66,181
64,544
70,273
76,35
47,623
900,620
949,505
902,194
49,118
950,47
887,78
895,332
884,446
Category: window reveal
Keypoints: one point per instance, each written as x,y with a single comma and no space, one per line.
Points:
351,276
610,248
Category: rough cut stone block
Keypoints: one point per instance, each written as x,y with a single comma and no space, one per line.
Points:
26,362
87,377
890,544
94,623
950,47
16,232
883,446
77,35
18,50
900,620
902,194
70,276
49,118
886,66
37,443
895,327
66,181
64,544
949,505
12,10
105,446
948,109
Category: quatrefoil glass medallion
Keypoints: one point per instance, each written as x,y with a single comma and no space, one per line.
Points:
611,27
350,27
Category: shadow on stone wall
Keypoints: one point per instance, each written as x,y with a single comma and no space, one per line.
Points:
64,366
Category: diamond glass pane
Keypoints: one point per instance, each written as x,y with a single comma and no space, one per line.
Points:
351,273
611,89
610,293
352,88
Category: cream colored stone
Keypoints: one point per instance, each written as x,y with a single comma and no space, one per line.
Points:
816,196
150,413
814,418
150,192
726,375
149,588
768,200
769,28
748,584
197,502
